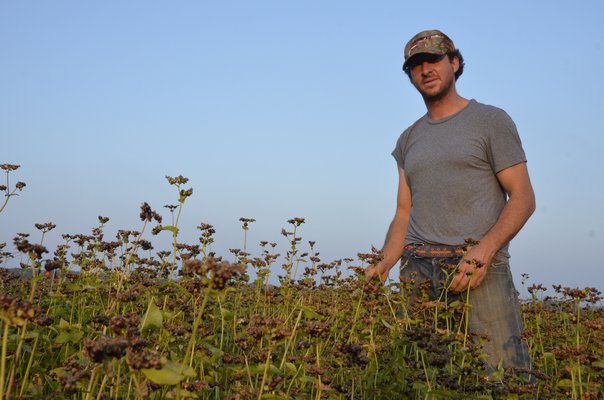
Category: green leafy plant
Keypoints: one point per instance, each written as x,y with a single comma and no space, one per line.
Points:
100,318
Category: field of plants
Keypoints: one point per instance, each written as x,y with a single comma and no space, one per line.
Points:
114,318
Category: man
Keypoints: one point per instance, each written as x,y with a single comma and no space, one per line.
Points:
462,174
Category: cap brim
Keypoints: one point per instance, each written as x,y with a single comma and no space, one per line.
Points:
419,53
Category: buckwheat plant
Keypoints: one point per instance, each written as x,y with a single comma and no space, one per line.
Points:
183,194
8,193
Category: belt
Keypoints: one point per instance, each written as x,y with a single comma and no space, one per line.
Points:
420,250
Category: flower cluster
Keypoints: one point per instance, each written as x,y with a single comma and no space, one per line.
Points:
17,312
35,250
9,167
221,272
106,348
147,214
145,359
179,180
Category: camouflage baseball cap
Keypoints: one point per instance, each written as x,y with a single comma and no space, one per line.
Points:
428,42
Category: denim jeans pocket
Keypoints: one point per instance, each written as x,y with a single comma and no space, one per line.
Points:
500,263
404,262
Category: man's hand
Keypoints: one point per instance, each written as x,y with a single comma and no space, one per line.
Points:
472,269
378,270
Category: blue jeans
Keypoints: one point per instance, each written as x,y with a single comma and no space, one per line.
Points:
495,309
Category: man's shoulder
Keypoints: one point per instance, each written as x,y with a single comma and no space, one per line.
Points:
488,110
411,127
403,139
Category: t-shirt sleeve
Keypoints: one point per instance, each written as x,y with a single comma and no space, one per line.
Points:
505,147
398,152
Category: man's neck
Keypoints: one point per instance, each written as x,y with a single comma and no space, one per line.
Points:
445,106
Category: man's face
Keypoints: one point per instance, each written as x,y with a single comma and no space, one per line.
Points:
432,75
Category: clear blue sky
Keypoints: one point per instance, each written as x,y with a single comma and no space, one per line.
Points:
281,109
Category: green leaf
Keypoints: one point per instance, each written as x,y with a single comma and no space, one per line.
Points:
309,312
291,367
171,373
31,335
69,336
184,394
58,371
187,371
62,338
386,324
598,364
216,352
170,228
307,379
63,324
164,376
446,394
227,314
258,369
454,304
419,385
153,317
565,383
273,370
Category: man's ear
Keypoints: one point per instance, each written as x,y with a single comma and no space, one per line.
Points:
455,63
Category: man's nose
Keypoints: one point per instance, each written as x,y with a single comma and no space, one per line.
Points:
426,67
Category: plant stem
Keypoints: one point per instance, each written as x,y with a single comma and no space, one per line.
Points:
265,374
91,383
29,364
194,333
3,356
16,361
356,315
103,382
221,321
290,339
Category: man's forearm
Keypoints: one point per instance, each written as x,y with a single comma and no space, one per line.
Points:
395,238
395,241
520,206
516,212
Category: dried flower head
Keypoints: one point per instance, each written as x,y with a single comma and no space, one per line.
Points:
297,221
246,222
204,227
171,207
17,312
9,167
45,227
184,194
145,244
146,359
105,348
147,214
179,180
122,323
51,265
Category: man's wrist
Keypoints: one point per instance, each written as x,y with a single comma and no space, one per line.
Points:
489,246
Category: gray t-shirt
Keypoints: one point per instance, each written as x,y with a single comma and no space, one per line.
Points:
450,166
